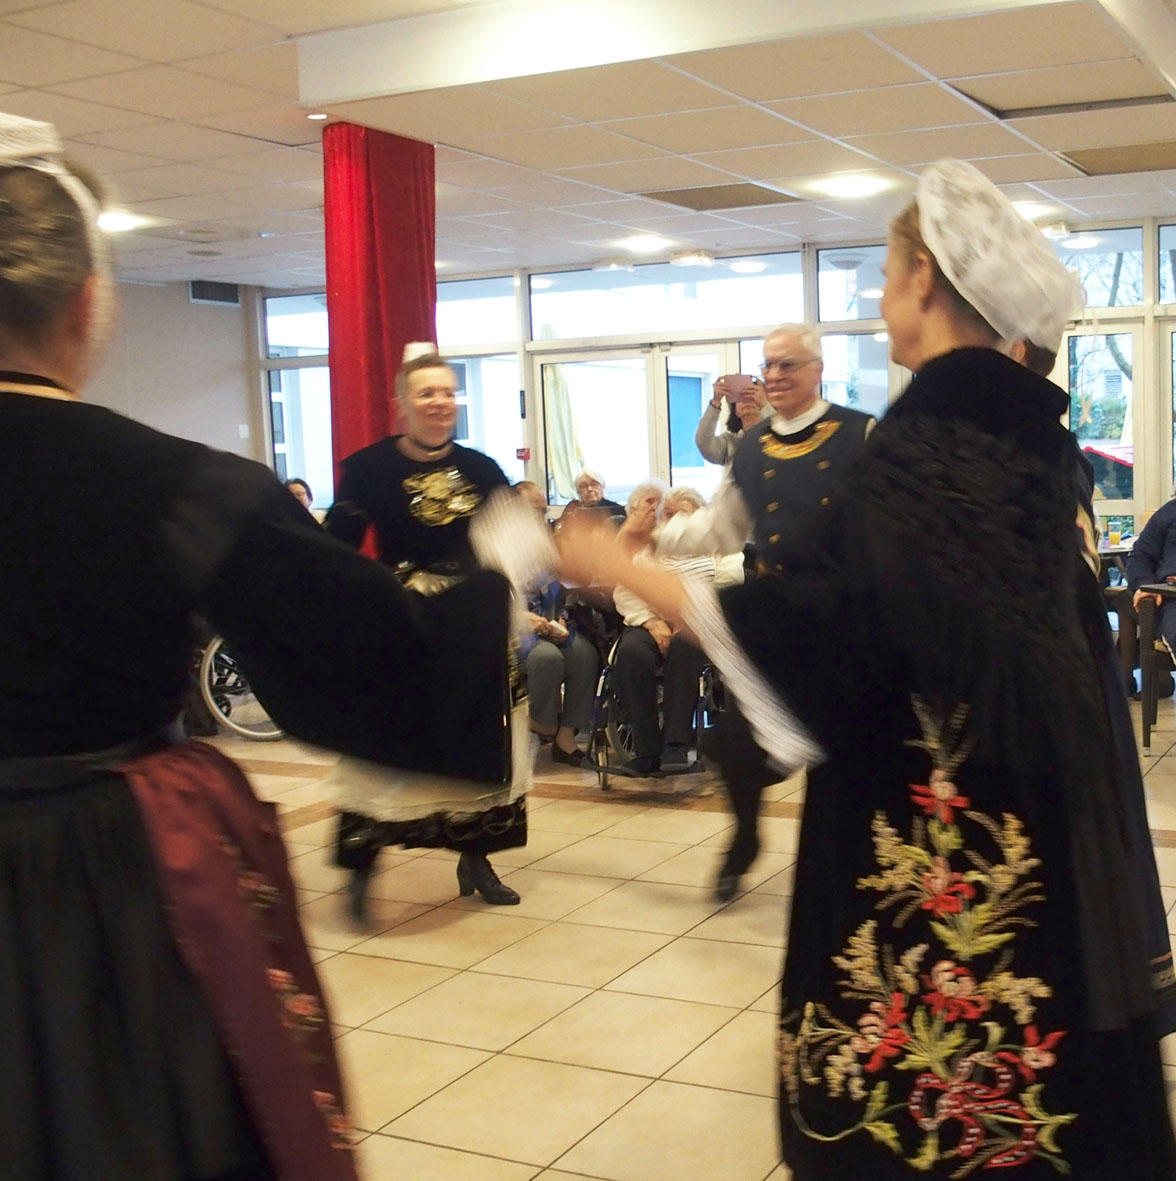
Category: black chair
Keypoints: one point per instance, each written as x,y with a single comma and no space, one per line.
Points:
1155,661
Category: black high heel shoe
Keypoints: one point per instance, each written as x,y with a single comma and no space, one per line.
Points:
474,872
357,892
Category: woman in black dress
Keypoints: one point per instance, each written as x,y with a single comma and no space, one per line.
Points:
160,1019
973,975
420,491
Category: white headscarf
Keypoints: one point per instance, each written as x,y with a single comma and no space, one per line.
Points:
996,259
29,143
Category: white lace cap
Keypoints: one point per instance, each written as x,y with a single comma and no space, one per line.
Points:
999,262
418,348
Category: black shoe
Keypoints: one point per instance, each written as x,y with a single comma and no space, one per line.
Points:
474,872
570,758
727,886
644,765
357,892
675,759
736,863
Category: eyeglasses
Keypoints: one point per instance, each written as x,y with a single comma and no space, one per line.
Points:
785,367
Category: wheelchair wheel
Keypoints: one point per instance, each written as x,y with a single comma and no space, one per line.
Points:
227,694
618,730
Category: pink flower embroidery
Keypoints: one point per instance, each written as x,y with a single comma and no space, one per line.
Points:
882,1035
938,797
1037,1053
953,992
946,891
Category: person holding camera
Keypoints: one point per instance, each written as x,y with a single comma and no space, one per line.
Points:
746,405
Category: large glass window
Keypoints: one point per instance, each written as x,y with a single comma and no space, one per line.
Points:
1167,268
597,417
1101,370
300,418
1109,263
476,311
856,372
849,282
296,326
662,297
690,379
489,415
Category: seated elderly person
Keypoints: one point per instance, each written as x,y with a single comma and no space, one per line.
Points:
590,495
556,655
648,641
1153,559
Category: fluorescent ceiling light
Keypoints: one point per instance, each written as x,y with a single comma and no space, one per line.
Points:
119,221
645,244
612,264
1082,242
747,266
316,115
1032,210
851,184
1056,230
871,293
692,258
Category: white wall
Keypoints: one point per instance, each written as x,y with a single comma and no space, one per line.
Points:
185,368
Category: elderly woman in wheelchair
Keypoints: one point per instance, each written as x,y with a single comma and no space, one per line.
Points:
648,644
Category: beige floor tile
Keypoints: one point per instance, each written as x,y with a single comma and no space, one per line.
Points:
479,1010
389,1158
769,1002
360,987
1161,813
273,787
568,953
1168,1050
610,857
665,824
450,937
1168,894
1166,864
313,871
704,970
790,788
319,954
621,1031
668,1132
560,1175
649,906
780,883
540,843
320,833
754,918
777,834
582,817
700,865
546,895
388,1075
418,879
327,924
519,1108
739,1057
780,1173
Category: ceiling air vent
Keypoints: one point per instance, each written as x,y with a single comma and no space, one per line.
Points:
712,197
205,291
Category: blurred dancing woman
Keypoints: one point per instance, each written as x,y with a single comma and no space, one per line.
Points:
159,1016
420,490
974,972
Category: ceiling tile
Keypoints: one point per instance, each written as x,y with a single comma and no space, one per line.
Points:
274,164
618,91
70,116
175,141
740,126
540,220
455,115
292,197
971,142
478,172
789,69
1131,158
308,16
618,209
158,30
557,194
1084,83
205,209
1105,186
760,163
803,213
468,203
642,176
889,108
273,68
28,58
564,147
1138,205
107,162
1020,39
1100,129
172,178
283,123
679,224
163,91
270,222
1036,166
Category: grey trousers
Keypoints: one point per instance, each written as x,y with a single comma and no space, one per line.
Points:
574,667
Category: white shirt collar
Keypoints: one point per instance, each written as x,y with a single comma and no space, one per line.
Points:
789,426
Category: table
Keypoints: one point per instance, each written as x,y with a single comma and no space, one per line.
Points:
1148,654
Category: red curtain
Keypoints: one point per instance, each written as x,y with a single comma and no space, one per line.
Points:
379,208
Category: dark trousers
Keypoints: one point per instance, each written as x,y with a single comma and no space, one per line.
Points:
745,775
634,674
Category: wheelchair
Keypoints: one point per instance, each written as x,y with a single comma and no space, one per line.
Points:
229,698
610,740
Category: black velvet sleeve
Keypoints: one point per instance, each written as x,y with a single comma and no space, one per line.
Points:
340,654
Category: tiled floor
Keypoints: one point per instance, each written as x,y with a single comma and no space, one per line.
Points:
617,1025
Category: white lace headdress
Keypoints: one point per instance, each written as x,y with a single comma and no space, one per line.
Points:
999,262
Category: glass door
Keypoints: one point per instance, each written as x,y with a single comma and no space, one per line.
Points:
689,374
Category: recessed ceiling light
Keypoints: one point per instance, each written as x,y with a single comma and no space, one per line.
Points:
871,293
538,283
851,184
316,115
692,258
1055,230
1081,242
612,264
645,244
119,221
747,266
1032,210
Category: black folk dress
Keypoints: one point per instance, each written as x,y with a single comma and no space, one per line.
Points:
115,1064
420,512
972,976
